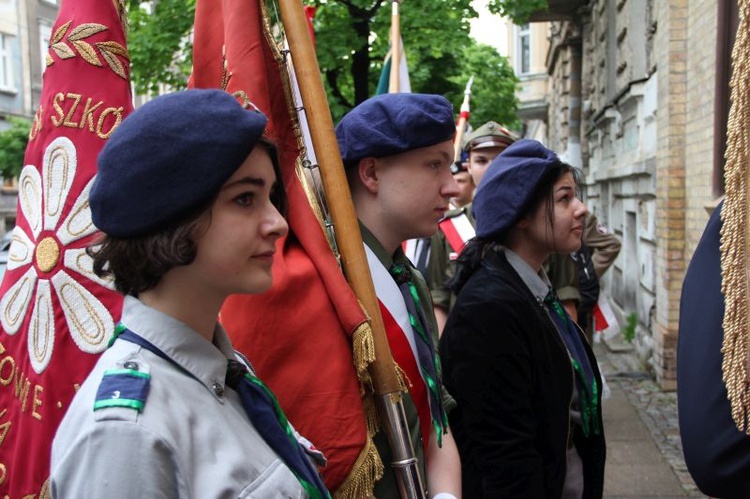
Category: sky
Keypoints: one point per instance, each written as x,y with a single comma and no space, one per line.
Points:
489,28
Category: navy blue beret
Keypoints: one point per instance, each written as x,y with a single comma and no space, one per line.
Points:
508,184
390,124
169,156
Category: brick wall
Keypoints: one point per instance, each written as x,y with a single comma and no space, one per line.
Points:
648,85
700,62
671,46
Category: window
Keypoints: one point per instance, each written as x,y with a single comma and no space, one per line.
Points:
523,49
6,63
45,33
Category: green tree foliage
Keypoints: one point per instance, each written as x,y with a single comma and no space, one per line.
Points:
518,10
158,42
493,94
13,147
352,38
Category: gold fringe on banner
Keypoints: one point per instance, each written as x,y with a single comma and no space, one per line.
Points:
368,468
735,233
366,471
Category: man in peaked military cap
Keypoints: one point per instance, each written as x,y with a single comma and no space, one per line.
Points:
482,146
186,198
397,150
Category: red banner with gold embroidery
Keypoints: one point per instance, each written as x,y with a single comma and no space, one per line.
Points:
298,335
55,314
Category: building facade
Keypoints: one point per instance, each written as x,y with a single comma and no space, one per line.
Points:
638,97
528,45
25,30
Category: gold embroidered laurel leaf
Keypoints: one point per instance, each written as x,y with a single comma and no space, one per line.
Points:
86,51
108,49
60,32
113,47
114,63
86,30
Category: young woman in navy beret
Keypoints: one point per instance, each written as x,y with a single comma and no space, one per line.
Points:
528,421
187,197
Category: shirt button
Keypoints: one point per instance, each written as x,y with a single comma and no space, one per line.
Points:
131,365
218,389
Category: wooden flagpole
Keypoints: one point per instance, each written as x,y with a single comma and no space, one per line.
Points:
463,117
349,241
394,83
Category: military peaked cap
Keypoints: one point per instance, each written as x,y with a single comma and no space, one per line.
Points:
490,134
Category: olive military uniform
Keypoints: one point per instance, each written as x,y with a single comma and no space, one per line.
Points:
604,245
442,265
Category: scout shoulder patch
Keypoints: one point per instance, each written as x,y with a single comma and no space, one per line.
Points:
123,388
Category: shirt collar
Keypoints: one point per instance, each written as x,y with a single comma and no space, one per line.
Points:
205,361
372,242
538,284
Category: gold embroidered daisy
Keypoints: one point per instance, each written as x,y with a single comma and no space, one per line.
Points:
42,199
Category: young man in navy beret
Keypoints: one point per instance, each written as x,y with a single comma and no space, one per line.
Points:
398,150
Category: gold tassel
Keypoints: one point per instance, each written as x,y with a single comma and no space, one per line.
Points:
367,470
734,232
404,383
363,348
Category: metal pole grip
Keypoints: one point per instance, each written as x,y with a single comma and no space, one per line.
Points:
405,464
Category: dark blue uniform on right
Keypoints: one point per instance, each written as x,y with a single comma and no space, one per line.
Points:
716,452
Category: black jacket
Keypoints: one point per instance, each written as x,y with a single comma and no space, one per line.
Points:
508,369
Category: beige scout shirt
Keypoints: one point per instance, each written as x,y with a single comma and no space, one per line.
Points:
193,438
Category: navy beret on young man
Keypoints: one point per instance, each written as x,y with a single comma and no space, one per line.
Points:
390,124
508,184
168,156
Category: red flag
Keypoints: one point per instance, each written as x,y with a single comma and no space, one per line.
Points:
310,310
56,315
310,14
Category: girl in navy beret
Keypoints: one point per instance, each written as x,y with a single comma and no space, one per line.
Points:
528,422
187,197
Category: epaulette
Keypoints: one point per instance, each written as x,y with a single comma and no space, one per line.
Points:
125,387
